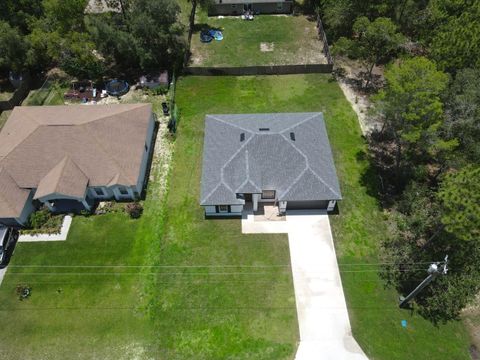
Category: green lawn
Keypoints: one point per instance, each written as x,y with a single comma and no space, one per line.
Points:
47,95
76,312
358,229
239,302
286,40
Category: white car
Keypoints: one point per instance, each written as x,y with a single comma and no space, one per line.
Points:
7,237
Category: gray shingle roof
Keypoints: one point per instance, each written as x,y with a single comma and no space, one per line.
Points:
248,153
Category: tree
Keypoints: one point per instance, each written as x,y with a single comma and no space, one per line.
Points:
374,43
460,197
13,48
413,112
20,13
454,36
426,226
463,114
191,19
146,35
158,35
339,15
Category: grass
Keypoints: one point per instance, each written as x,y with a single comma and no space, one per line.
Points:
217,310
358,229
52,94
171,310
292,40
73,313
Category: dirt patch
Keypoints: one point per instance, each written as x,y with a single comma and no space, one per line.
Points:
360,101
267,47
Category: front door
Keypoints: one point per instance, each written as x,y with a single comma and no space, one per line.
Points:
247,7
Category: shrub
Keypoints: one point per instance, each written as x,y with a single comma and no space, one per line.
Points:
134,209
39,218
23,291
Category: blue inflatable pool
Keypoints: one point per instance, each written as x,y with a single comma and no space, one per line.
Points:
117,87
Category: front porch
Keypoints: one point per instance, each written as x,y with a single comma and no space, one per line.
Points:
69,205
266,211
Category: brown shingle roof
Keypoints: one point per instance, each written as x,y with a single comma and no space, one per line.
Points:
105,143
12,197
65,178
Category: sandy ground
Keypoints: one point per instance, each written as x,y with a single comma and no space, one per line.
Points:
360,102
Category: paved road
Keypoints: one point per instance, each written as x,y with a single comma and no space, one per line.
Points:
325,331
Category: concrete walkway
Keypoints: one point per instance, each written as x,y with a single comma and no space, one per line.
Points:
325,331
2,274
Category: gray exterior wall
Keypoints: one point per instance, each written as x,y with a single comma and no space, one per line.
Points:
211,211
260,8
302,205
146,155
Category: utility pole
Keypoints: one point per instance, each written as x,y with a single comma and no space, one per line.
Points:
435,269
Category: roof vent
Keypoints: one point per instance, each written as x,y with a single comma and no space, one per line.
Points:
264,129
292,136
242,137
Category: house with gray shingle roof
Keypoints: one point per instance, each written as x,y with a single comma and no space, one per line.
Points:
283,158
70,157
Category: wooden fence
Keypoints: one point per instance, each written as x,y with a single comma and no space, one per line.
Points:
323,36
260,70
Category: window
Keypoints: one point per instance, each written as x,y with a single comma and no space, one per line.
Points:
234,6
279,6
223,208
268,194
99,192
123,191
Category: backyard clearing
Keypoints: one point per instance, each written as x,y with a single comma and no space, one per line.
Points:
267,40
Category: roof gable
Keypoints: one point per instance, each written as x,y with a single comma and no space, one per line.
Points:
65,178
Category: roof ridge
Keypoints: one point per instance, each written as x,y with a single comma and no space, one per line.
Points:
231,158
232,125
103,117
21,142
99,143
299,123
308,167
3,197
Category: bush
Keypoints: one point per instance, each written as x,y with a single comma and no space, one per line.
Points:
134,209
43,222
157,90
39,218
23,291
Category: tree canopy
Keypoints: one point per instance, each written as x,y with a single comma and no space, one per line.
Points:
460,197
412,110
375,42
13,48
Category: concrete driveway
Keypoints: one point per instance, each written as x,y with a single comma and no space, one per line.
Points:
2,274
325,331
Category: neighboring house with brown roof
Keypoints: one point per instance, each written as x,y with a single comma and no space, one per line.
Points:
69,157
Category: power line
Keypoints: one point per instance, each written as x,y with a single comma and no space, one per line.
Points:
184,274
207,266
